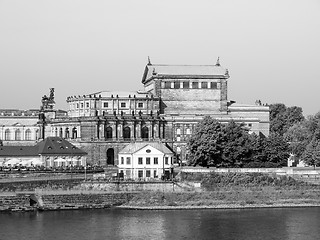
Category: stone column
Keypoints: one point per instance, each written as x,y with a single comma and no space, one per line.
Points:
138,128
156,130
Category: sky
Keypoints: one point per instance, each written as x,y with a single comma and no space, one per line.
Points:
271,48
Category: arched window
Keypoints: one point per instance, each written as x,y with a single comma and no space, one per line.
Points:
7,135
126,132
188,131
108,133
17,135
60,133
145,133
74,133
27,135
178,131
56,132
37,134
67,134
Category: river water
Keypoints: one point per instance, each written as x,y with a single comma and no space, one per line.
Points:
279,223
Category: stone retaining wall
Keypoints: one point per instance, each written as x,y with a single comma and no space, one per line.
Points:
82,201
43,184
16,202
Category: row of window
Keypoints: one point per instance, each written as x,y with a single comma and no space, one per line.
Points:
147,161
106,105
126,132
73,133
8,135
148,174
189,85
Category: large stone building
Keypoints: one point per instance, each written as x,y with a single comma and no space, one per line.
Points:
175,98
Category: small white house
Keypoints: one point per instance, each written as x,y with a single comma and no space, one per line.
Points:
145,160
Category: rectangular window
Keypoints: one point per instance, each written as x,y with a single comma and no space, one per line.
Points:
213,85
128,160
81,105
140,105
148,173
105,104
195,85
87,105
147,160
140,173
166,160
155,174
167,84
122,160
123,105
155,161
185,84
140,161
176,84
204,85
77,105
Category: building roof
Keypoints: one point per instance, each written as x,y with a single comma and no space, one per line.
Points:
49,146
18,151
184,71
136,146
58,146
113,94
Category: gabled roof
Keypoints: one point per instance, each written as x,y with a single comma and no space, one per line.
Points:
49,146
19,151
58,146
184,71
136,146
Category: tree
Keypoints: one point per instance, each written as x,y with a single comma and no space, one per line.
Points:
311,155
205,144
236,147
298,136
217,144
277,150
282,117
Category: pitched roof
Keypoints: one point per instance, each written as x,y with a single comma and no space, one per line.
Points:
49,146
122,94
18,151
136,146
58,146
208,71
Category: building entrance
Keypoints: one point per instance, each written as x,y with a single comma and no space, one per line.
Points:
110,156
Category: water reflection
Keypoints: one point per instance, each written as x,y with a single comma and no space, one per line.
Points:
291,224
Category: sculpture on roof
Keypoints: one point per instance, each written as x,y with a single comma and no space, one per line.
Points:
149,62
218,62
48,102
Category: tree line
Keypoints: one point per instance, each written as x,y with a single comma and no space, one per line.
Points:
232,145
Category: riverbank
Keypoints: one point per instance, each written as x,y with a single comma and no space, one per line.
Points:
213,191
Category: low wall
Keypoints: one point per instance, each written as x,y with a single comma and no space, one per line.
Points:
13,186
123,186
280,171
16,202
82,200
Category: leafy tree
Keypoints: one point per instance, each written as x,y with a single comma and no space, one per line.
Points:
236,145
216,144
205,144
282,117
311,155
277,150
298,136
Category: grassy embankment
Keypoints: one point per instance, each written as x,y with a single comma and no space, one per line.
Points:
234,190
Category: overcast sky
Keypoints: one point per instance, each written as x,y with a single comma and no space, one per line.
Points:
271,47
